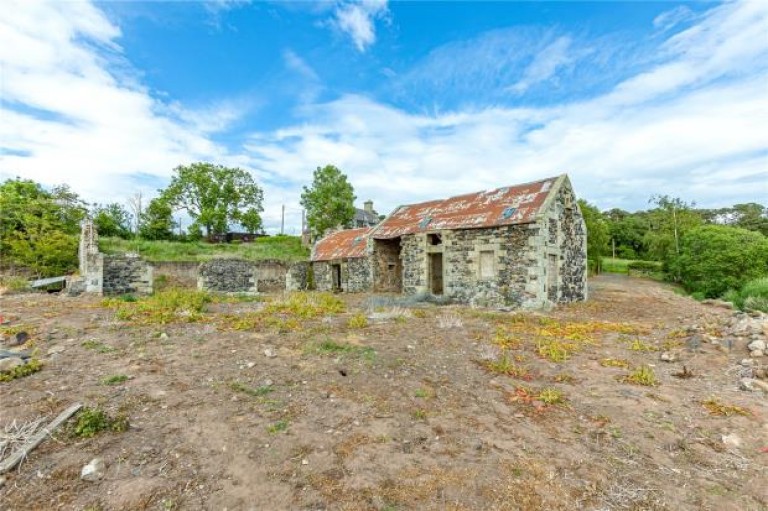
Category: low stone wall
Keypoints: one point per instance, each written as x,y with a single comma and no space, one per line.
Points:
181,273
227,276
126,274
240,276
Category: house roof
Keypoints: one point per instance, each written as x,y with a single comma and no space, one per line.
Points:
348,243
519,204
362,215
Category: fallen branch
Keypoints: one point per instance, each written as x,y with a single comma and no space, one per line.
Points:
38,438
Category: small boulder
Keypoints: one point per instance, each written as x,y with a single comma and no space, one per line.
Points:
748,362
93,471
668,357
732,440
270,353
758,345
756,353
8,364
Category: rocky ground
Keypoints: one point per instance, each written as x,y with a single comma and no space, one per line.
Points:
639,399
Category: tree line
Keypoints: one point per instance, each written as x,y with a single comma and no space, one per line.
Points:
39,227
708,251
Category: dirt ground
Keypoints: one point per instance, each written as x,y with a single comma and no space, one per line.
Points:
433,407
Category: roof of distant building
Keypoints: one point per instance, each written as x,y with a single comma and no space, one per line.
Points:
348,243
364,216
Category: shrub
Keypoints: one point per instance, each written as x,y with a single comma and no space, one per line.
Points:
91,421
754,295
716,258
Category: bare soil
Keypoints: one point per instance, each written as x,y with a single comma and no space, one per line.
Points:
417,421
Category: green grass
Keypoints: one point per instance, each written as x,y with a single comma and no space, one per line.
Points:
611,265
754,295
251,391
282,248
334,348
115,379
277,427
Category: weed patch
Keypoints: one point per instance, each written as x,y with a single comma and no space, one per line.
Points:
643,375
329,347
115,379
31,367
550,396
168,306
97,346
306,305
614,362
357,321
504,364
277,427
91,421
263,390
715,407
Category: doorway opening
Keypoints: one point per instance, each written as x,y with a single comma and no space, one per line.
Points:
436,273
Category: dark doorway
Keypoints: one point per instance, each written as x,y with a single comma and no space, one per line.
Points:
436,273
336,276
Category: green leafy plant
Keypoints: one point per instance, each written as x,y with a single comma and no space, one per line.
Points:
357,321
115,379
32,366
277,427
91,421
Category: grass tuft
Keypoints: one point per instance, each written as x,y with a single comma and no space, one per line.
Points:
32,366
91,421
643,375
357,321
715,407
115,379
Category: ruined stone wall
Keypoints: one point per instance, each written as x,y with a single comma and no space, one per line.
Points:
573,248
357,276
386,265
241,276
123,274
414,259
180,273
322,274
227,276
297,276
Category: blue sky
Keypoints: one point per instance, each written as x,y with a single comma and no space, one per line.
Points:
413,100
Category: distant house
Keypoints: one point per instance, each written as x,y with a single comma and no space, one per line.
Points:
519,246
365,217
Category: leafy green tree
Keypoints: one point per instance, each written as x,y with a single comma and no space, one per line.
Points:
716,258
668,222
627,234
330,201
215,197
597,233
156,221
38,227
112,220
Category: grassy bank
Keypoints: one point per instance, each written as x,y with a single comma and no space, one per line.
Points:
283,248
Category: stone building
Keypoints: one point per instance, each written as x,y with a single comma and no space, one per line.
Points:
520,246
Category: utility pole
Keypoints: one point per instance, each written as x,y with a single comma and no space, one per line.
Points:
282,221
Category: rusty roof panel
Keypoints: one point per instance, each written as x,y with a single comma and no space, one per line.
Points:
348,243
504,206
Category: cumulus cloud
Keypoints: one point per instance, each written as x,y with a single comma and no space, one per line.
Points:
357,19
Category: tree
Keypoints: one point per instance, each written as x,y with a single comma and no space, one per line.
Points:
668,223
157,220
112,220
215,197
716,258
38,227
597,233
330,202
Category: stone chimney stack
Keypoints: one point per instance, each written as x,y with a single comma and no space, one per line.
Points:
368,206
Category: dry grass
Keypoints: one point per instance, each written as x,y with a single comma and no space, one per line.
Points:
715,407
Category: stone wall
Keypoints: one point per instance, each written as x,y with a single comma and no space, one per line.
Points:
569,247
180,273
414,261
297,276
124,274
355,274
322,275
228,276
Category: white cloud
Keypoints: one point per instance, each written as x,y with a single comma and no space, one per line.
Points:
356,18
673,17
545,65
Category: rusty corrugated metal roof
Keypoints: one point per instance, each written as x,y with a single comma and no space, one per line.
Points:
504,206
344,244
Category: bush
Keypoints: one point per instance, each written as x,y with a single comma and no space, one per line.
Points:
754,295
645,266
716,258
